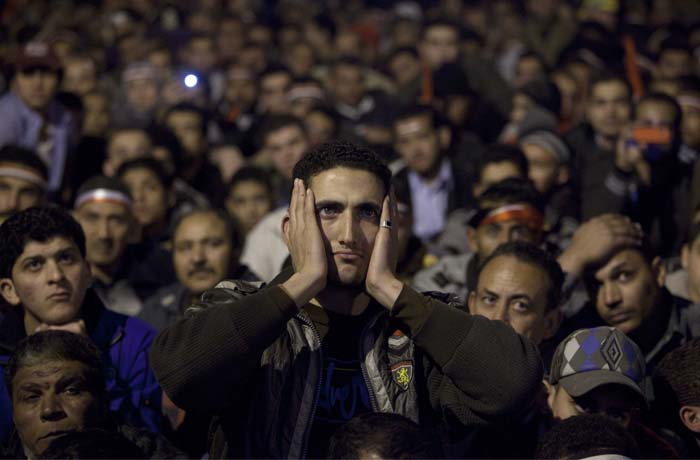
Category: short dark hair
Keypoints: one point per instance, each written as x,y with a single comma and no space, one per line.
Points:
273,123
254,174
57,345
153,165
40,223
415,111
586,435
387,435
511,191
25,157
533,255
341,154
501,153
92,443
677,381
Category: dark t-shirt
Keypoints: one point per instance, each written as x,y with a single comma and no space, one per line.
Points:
343,392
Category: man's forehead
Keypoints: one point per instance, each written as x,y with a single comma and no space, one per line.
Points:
47,371
342,182
524,273
57,243
626,256
412,125
105,207
198,226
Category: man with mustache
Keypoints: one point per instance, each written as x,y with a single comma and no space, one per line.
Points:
338,334
206,246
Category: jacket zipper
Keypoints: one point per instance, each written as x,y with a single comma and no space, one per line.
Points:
363,367
317,394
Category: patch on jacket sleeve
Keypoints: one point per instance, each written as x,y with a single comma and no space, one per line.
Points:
440,279
402,373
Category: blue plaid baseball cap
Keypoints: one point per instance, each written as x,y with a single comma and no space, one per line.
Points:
589,358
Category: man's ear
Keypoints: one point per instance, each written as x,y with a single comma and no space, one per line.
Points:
8,291
563,175
285,228
685,255
690,416
658,268
444,137
552,321
471,302
472,238
551,392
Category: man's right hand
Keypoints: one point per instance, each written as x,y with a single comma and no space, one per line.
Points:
303,237
596,239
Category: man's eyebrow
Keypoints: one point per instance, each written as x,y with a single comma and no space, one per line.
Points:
71,380
328,203
491,293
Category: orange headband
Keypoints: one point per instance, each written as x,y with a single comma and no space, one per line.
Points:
519,212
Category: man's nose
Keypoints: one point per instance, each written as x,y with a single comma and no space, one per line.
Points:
51,409
611,294
103,229
501,313
54,271
348,230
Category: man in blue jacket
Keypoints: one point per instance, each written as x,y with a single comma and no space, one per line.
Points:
44,277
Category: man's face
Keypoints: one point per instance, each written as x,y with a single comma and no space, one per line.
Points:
49,399
202,252
123,146
690,257
615,401
627,289
149,195
348,84
440,45
543,167
49,280
674,63
96,117
240,91
36,87
417,142
142,94
286,146
187,126
515,292
273,93
79,76
528,69
200,55
17,195
654,114
349,218
609,108
248,202
486,238
690,125
319,126
107,227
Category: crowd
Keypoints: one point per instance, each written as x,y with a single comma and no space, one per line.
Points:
361,229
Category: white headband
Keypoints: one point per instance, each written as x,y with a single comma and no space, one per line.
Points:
19,172
102,194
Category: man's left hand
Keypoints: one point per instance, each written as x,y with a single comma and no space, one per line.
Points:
381,282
